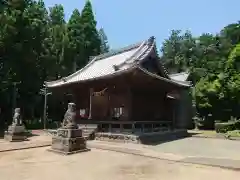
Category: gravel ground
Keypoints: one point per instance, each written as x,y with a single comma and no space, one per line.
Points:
39,164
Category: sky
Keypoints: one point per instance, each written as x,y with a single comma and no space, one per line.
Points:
126,22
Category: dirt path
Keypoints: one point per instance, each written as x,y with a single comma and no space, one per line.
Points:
40,164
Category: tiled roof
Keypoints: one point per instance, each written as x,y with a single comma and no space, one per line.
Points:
115,63
172,81
111,63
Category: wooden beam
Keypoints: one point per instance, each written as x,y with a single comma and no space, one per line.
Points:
90,103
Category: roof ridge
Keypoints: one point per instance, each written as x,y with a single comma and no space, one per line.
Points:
150,42
119,51
132,56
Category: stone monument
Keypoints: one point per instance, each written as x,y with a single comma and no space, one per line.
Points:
16,131
69,137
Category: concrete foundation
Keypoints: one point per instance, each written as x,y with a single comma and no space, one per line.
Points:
15,133
68,141
142,138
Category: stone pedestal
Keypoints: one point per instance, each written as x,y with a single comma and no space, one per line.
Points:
68,141
15,133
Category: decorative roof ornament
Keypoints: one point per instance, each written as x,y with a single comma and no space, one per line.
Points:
151,40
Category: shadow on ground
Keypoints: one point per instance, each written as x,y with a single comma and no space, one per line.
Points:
28,134
165,138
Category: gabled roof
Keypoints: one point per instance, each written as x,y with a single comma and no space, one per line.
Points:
183,76
169,80
115,63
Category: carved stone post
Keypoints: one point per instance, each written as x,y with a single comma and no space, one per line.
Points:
69,138
16,131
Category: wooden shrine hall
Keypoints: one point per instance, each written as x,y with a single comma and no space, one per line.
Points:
129,90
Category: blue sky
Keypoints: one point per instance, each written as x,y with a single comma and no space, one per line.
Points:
129,21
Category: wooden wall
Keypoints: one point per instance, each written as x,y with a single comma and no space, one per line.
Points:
150,106
102,106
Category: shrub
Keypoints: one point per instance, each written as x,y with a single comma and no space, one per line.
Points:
235,133
228,126
206,123
33,125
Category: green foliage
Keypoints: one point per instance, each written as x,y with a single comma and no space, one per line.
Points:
217,93
57,42
91,41
232,33
35,124
57,15
225,127
38,45
104,48
234,133
75,34
233,62
214,65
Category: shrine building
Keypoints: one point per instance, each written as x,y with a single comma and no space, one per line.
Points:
128,91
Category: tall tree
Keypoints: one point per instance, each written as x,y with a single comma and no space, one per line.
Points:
232,32
171,49
91,39
75,36
21,41
58,40
36,17
37,45
57,16
104,41
178,51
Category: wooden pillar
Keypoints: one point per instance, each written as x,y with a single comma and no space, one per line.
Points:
173,120
130,103
109,107
90,103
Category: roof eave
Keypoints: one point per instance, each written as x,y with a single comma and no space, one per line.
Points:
186,74
178,83
117,73
64,81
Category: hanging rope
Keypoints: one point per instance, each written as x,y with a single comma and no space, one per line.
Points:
100,93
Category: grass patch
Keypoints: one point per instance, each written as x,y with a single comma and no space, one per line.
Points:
205,132
227,126
235,133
